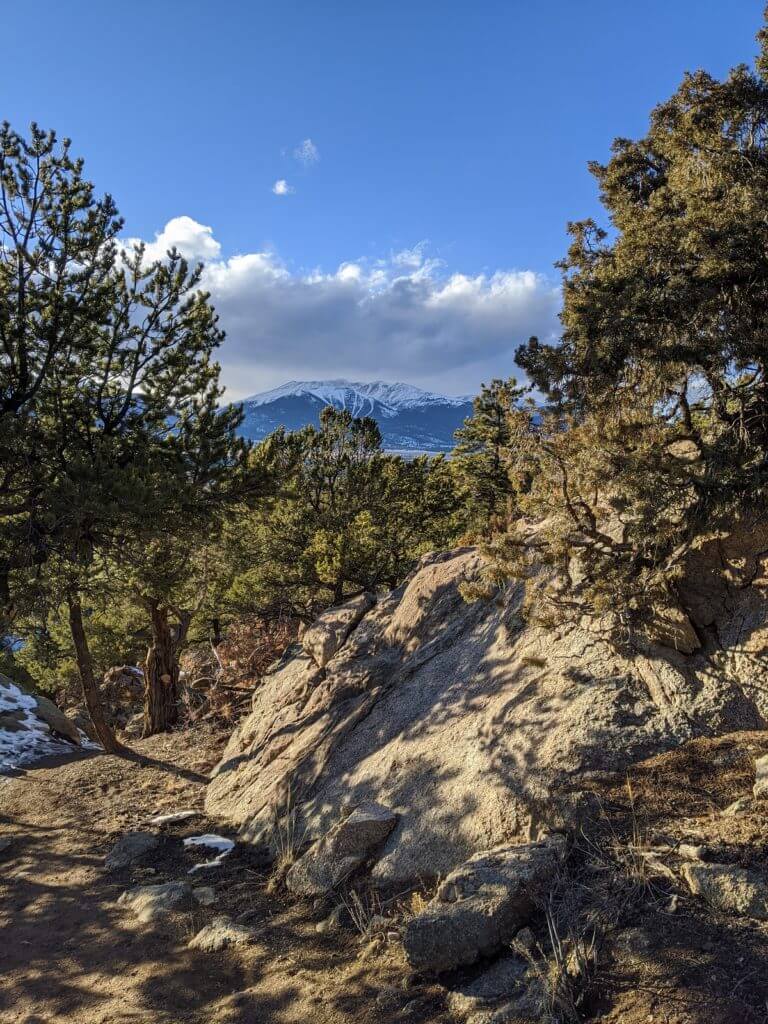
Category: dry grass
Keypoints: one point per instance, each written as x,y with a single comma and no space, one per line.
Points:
564,970
363,909
286,839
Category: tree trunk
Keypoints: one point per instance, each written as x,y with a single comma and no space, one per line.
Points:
161,676
215,632
87,679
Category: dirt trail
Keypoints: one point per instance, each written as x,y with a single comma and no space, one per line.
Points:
69,953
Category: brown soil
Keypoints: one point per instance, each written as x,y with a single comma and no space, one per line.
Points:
69,953
666,956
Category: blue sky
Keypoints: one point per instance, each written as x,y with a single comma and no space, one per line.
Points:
416,235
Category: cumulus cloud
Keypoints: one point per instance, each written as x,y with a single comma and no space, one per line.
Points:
407,317
307,153
282,188
193,240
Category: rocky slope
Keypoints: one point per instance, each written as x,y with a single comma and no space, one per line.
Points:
475,728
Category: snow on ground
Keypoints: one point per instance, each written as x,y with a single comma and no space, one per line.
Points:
213,842
24,736
174,816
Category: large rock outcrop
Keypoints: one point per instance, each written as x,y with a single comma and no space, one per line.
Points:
475,726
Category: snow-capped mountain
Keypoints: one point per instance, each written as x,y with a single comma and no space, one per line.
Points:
409,418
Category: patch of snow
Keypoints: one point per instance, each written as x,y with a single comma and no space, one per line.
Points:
28,738
357,396
174,816
213,842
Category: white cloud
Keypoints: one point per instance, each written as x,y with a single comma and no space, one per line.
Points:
282,188
403,318
307,153
193,240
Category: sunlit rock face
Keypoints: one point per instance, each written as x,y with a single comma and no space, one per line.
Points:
476,727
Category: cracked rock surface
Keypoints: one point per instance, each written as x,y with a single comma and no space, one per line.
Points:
475,725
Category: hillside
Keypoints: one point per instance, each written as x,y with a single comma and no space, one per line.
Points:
434,813
409,419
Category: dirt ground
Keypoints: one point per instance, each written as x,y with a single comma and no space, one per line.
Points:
668,958
68,952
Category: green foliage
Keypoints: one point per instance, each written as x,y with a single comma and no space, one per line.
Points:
114,449
117,635
108,393
346,518
658,433
481,458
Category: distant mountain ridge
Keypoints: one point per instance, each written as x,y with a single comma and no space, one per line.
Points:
410,419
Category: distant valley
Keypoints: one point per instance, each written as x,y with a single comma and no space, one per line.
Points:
409,418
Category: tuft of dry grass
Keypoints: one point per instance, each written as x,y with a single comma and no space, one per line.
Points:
363,910
286,840
565,971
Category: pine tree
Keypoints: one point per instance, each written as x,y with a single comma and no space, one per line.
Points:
118,433
660,379
481,457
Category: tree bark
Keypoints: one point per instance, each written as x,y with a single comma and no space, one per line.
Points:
88,680
161,675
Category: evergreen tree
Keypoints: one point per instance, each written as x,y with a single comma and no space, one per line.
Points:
347,518
660,379
481,455
120,436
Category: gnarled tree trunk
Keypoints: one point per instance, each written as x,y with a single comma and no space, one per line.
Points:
88,680
161,670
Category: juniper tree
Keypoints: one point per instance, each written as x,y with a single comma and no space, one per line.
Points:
481,456
347,518
661,372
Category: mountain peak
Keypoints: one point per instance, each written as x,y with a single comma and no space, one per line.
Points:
410,418
341,393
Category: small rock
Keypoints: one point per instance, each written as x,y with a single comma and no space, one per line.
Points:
130,848
728,888
349,843
481,905
56,720
149,902
205,894
690,852
220,933
760,788
738,807
490,989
